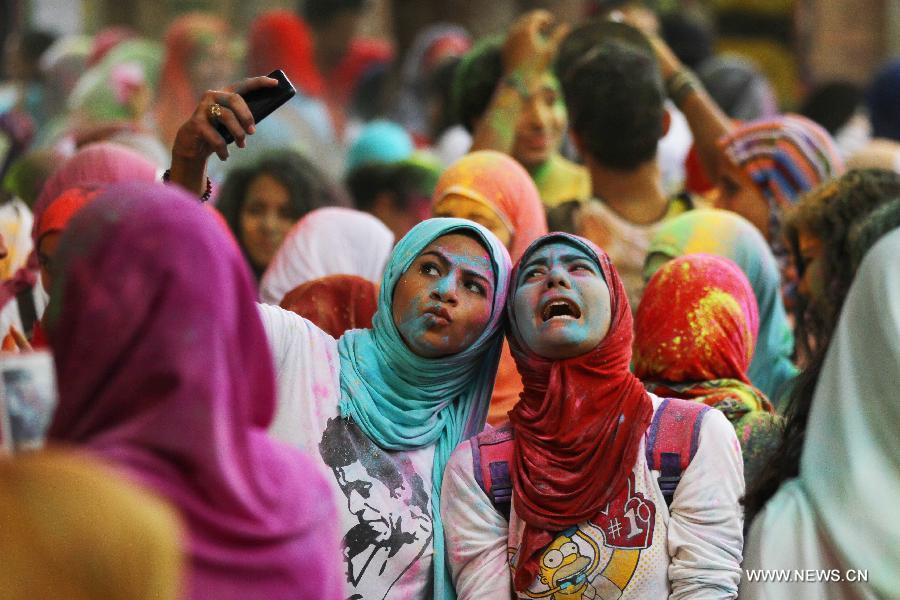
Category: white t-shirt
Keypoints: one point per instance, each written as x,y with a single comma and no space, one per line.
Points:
384,498
638,548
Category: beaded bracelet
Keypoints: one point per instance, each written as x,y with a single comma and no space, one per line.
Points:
204,197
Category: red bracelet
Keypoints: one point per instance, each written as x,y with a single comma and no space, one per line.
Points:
204,197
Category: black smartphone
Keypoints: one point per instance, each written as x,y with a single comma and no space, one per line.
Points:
262,102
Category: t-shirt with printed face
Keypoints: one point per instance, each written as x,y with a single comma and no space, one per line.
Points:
383,497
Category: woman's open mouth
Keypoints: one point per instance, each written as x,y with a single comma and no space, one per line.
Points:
560,308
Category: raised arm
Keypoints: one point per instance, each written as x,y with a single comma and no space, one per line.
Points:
528,52
707,121
197,137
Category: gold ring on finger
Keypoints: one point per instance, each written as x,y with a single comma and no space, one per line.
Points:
215,112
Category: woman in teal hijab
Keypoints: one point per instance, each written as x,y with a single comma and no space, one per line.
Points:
404,400
385,407
726,234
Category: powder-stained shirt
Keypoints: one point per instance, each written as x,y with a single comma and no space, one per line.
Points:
637,548
626,243
383,497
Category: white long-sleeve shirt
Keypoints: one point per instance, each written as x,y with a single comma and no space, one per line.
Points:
383,497
638,549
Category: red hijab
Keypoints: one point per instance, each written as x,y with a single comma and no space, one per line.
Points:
335,304
697,321
61,210
578,425
279,39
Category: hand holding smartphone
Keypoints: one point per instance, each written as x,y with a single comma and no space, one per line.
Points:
263,101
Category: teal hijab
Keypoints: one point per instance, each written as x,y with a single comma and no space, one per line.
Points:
723,233
403,401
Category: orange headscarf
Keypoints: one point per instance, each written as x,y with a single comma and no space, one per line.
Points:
495,179
498,181
62,208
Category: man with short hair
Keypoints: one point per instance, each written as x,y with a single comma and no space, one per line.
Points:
615,98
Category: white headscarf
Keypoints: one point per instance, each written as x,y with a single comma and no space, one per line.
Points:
836,514
328,241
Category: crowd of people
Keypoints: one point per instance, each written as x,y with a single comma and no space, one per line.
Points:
574,311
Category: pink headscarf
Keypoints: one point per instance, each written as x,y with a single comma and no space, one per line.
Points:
164,370
96,164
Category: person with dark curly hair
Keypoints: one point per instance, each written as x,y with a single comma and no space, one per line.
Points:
262,202
830,516
835,222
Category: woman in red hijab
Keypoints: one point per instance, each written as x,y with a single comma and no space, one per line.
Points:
694,338
334,304
588,517
279,39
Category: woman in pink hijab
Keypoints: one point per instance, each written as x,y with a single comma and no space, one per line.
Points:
22,298
95,164
165,372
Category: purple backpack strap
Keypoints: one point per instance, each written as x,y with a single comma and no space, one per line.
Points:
491,456
672,441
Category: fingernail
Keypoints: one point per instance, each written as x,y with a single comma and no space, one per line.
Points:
251,130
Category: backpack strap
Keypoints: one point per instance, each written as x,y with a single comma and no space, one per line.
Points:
491,454
672,441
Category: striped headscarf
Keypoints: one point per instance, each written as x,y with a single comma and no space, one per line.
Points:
785,157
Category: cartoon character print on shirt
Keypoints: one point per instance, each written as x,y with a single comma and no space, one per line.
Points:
597,559
391,505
